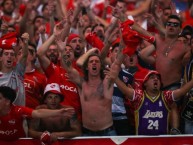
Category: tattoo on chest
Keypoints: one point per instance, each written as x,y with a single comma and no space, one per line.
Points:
95,92
100,90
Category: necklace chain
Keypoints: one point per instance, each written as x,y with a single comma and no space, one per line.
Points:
169,48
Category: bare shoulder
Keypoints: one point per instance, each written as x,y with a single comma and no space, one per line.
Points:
159,39
184,47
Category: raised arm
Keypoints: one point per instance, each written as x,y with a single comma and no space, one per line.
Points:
116,65
83,57
26,24
127,23
147,54
177,94
24,44
112,74
142,8
4,27
67,24
73,74
41,53
110,36
127,91
51,5
157,22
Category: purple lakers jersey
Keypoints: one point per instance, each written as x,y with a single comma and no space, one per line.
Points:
152,116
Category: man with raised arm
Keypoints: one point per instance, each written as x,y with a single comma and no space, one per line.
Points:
95,92
57,74
152,106
10,74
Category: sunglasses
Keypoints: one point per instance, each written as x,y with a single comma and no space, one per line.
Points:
172,24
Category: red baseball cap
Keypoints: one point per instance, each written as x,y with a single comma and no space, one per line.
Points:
150,73
8,41
72,36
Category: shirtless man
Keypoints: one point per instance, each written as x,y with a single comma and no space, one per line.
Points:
96,93
171,56
54,127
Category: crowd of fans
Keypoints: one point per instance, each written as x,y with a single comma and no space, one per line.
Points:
73,68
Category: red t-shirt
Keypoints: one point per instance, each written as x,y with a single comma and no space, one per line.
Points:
57,74
34,83
11,125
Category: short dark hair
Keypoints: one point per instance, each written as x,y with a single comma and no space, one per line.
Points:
89,26
38,16
8,93
114,46
69,46
167,8
3,3
123,1
32,45
2,50
47,93
182,35
175,17
92,29
44,6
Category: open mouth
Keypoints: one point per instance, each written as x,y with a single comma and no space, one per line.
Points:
94,68
78,48
9,62
155,84
52,57
68,55
131,59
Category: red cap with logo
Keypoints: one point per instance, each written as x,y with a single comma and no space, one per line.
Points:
150,73
53,88
8,41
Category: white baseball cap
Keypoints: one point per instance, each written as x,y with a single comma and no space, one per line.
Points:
53,88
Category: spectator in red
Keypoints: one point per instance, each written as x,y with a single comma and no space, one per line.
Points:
13,117
34,81
54,127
